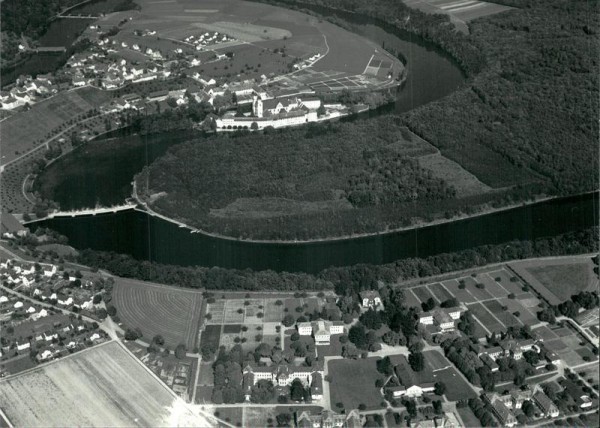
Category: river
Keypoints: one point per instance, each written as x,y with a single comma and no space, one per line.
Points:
150,238
87,177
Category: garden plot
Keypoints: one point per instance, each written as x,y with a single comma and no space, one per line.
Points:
503,315
492,286
512,286
478,293
423,293
440,292
410,299
216,311
461,294
273,311
525,316
486,318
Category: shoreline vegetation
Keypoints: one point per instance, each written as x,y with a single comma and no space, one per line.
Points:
523,150
346,280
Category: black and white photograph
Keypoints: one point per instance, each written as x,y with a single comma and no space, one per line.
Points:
299,213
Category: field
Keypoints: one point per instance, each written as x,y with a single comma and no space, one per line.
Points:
568,344
26,130
102,386
466,184
459,11
487,304
558,279
353,383
171,312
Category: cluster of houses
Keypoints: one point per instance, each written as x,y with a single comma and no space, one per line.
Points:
284,375
511,348
48,335
208,39
88,68
28,90
46,283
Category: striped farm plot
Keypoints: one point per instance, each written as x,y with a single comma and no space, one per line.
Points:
172,312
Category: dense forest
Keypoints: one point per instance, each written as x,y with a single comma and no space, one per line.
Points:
532,97
318,181
347,281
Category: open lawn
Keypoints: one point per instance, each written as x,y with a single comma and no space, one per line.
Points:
558,279
353,383
232,415
436,361
456,387
563,280
101,386
172,312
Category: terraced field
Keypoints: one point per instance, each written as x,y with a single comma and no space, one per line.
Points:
171,312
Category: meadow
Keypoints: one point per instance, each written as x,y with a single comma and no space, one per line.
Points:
353,383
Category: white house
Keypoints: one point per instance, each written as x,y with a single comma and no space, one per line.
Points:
50,271
23,346
321,330
370,299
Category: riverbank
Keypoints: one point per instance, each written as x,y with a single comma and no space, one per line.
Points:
418,225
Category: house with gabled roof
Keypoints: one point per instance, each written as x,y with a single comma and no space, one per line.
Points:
500,410
415,383
327,419
370,299
547,406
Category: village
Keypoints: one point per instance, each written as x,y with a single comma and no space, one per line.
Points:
121,61
480,347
